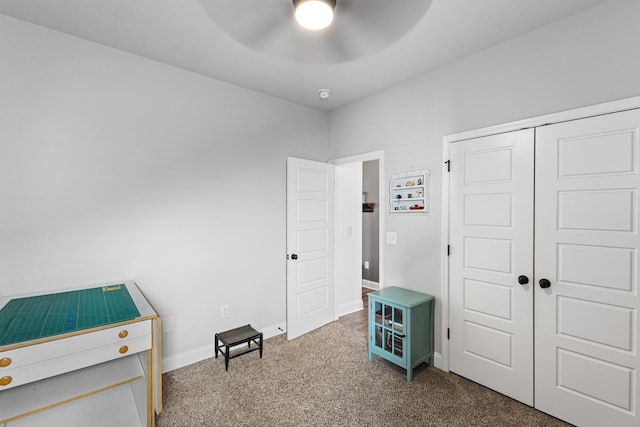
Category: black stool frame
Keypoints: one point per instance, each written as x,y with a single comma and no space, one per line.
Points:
244,334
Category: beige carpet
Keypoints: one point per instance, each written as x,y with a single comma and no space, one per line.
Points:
325,379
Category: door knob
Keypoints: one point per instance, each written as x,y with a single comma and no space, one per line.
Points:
294,256
523,280
544,283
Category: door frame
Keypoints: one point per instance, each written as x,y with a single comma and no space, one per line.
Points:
379,156
564,116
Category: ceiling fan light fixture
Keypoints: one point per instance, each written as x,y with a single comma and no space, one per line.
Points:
314,14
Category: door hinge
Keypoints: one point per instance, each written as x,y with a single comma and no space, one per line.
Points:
448,162
448,250
448,333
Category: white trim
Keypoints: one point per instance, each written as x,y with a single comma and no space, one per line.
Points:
563,116
206,352
190,357
352,307
437,360
370,285
274,330
186,358
444,259
379,156
364,157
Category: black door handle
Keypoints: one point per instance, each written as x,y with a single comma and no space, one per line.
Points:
544,283
294,256
523,280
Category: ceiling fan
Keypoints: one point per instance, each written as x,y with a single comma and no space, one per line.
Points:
358,28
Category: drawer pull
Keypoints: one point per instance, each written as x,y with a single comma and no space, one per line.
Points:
5,380
123,349
4,362
123,333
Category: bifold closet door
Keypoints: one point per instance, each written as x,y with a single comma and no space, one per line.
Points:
586,257
491,262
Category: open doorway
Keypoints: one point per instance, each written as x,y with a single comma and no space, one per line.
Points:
370,250
371,224
350,293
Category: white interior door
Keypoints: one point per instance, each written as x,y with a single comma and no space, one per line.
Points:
491,236
310,246
587,320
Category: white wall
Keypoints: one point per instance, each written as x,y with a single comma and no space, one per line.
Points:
116,167
348,241
586,59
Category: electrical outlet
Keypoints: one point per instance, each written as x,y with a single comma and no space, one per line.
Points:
366,265
224,310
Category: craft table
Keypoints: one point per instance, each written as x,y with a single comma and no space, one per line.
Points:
88,356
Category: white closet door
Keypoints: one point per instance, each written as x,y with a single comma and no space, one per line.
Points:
587,320
491,236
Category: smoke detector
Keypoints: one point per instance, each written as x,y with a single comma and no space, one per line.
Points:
324,93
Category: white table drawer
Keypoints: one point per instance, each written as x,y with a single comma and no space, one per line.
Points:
62,345
44,360
49,367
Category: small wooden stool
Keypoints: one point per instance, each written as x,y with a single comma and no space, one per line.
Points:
243,334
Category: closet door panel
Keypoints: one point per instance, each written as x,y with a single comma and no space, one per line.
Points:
586,221
491,323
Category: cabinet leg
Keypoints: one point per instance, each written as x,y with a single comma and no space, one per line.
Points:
409,375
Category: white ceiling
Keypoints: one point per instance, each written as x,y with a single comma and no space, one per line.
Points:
184,33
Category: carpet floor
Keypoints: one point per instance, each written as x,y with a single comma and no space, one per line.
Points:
324,378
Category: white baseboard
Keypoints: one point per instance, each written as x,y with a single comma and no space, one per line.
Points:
186,358
274,330
192,356
370,285
437,360
352,307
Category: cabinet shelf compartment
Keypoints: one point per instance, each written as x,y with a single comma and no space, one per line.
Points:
79,397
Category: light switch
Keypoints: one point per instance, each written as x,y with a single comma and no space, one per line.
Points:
349,231
392,238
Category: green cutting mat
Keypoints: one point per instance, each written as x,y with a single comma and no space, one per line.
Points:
31,318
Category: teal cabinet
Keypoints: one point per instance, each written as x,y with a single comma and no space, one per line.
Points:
401,327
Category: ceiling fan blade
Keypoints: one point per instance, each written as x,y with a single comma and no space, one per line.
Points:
248,21
364,27
360,27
